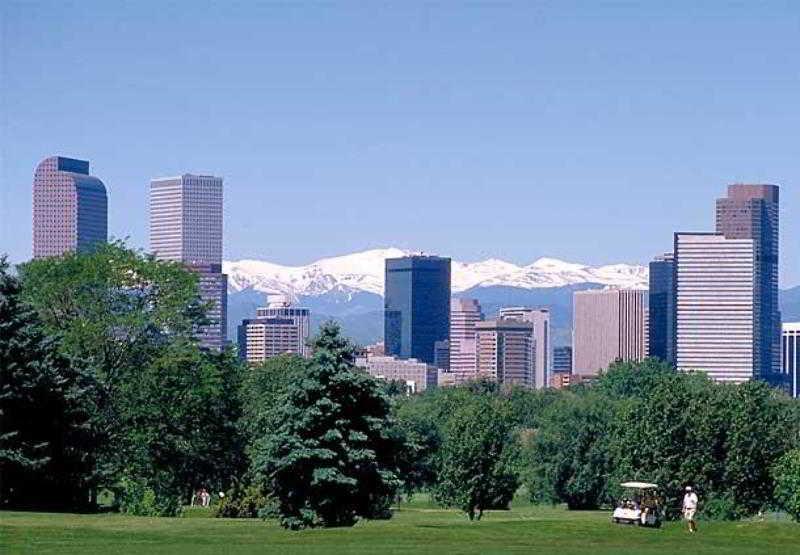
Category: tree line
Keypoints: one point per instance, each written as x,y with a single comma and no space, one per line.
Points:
105,389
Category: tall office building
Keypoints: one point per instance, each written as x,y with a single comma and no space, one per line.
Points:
790,356
540,318
279,328
562,360
608,324
464,314
751,212
186,226
505,351
661,312
417,306
70,207
714,306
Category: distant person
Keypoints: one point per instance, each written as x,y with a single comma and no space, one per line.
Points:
690,508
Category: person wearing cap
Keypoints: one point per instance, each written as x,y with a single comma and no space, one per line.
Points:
690,508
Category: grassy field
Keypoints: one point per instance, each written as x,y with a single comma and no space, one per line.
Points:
416,528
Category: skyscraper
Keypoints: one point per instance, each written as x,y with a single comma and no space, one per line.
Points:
608,325
540,318
70,207
505,352
417,306
751,212
464,314
661,311
790,356
186,226
279,328
714,284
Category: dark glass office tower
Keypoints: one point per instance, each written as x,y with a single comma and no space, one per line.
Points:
416,306
751,212
662,308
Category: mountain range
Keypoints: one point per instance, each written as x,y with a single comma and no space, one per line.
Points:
363,272
349,288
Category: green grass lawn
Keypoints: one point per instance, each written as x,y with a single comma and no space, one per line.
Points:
416,528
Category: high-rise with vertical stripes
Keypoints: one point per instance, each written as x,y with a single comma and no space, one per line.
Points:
715,305
609,325
186,226
70,207
751,212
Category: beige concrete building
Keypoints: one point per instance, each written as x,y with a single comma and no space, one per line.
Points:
464,314
279,328
540,318
608,324
417,376
504,351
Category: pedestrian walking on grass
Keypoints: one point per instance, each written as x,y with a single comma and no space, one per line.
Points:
690,508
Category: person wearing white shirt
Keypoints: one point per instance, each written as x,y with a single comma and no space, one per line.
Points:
690,508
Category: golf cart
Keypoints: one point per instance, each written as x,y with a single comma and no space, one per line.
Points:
639,506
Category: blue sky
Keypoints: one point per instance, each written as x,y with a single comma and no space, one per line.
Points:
585,131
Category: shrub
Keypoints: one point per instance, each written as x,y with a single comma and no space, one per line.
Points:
136,498
721,506
787,483
245,502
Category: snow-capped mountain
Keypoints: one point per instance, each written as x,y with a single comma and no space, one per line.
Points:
363,272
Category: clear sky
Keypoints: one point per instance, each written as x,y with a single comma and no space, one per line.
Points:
584,131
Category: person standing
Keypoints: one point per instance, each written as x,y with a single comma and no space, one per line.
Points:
690,508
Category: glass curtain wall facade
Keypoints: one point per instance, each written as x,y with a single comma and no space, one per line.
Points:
661,311
416,306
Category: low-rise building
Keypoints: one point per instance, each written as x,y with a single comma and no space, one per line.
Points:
560,380
417,376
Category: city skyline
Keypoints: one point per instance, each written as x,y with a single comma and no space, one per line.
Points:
528,130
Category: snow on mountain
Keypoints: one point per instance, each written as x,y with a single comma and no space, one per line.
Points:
363,271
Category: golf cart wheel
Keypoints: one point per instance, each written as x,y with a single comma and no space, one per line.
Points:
616,520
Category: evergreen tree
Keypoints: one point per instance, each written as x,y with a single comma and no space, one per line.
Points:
332,460
42,461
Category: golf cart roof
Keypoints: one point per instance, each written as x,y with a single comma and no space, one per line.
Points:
639,485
